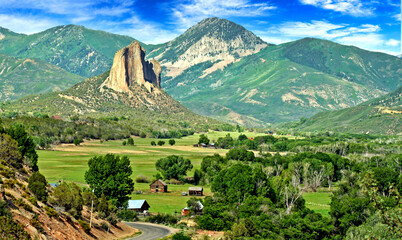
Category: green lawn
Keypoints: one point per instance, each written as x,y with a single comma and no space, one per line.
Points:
318,201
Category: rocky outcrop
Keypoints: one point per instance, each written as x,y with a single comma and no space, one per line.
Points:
129,67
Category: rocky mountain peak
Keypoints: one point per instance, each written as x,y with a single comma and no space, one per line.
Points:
129,67
215,40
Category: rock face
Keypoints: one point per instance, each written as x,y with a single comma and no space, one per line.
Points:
129,67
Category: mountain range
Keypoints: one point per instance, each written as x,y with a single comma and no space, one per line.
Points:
219,69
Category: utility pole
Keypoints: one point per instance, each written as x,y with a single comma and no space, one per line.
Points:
92,208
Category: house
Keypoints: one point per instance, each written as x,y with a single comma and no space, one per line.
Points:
158,186
138,205
195,191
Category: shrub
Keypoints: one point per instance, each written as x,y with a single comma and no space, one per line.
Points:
143,135
37,185
85,226
180,236
12,230
172,142
36,224
127,215
130,141
104,225
33,201
124,143
77,141
4,211
153,143
161,143
51,212
162,218
68,195
112,219
142,179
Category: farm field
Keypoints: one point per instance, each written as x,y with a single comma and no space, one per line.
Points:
68,162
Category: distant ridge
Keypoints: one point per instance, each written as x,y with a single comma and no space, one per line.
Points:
381,115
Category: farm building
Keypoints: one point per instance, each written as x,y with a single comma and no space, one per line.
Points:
138,205
195,191
158,186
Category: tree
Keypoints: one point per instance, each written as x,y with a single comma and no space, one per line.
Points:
173,167
240,154
77,141
37,184
9,152
153,143
124,143
26,145
130,141
69,196
172,142
161,143
110,175
203,139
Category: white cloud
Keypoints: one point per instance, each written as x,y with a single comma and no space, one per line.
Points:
350,7
392,43
25,24
366,36
397,17
188,13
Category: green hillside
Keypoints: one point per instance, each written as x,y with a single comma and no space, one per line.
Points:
20,77
79,50
271,87
382,115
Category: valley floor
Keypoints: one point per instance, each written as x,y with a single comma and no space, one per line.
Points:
67,162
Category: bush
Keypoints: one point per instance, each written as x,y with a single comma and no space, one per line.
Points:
85,226
77,141
180,236
37,185
162,218
142,179
68,195
161,143
130,142
124,143
143,135
51,212
172,142
12,230
153,143
4,211
105,226
33,201
127,215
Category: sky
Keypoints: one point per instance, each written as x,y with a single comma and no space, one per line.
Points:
373,25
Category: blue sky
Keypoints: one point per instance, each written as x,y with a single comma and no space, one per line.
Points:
373,25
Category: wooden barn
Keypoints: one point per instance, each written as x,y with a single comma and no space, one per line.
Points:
158,186
195,191
138,205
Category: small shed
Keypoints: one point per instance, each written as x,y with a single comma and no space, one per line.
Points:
138,205
195,191
185,211
158,186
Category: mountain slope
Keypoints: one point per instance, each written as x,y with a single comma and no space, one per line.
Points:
20,77
79,50
284,82
212,39
382,115
128,90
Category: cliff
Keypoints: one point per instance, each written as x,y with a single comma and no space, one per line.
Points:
129,67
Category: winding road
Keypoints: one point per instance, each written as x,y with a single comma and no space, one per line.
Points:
149,231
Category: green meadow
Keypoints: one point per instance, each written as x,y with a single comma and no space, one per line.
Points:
68,162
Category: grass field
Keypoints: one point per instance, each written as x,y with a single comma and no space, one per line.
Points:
318,201
69,162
